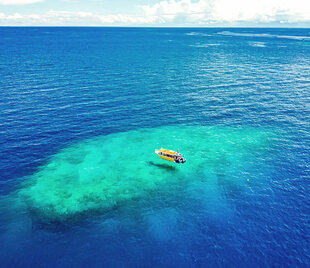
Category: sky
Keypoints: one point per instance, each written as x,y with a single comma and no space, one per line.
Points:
164,13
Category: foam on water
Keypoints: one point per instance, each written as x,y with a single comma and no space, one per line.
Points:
198,34
107,171
204,45
293,37
257,44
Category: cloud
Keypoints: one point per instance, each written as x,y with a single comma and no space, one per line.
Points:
19,2
65,18
177,13
221,11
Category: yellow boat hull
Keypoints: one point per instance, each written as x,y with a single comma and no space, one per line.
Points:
166,158
170,155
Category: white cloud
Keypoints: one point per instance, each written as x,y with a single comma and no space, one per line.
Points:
19,2
219,11
177,13
65,18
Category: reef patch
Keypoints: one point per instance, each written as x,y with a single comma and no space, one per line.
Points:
108,171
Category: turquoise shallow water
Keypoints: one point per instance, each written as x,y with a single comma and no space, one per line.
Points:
83,110
108,171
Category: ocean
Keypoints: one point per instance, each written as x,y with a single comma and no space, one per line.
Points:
82,111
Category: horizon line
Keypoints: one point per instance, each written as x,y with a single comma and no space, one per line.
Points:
111,26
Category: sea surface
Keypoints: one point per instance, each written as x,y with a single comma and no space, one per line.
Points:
82,111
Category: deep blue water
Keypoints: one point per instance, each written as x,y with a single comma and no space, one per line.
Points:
60,86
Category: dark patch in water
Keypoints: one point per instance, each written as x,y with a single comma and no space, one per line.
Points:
163,166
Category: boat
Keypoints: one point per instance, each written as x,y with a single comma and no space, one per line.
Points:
170,155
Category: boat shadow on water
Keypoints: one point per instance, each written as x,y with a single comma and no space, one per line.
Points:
162,166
